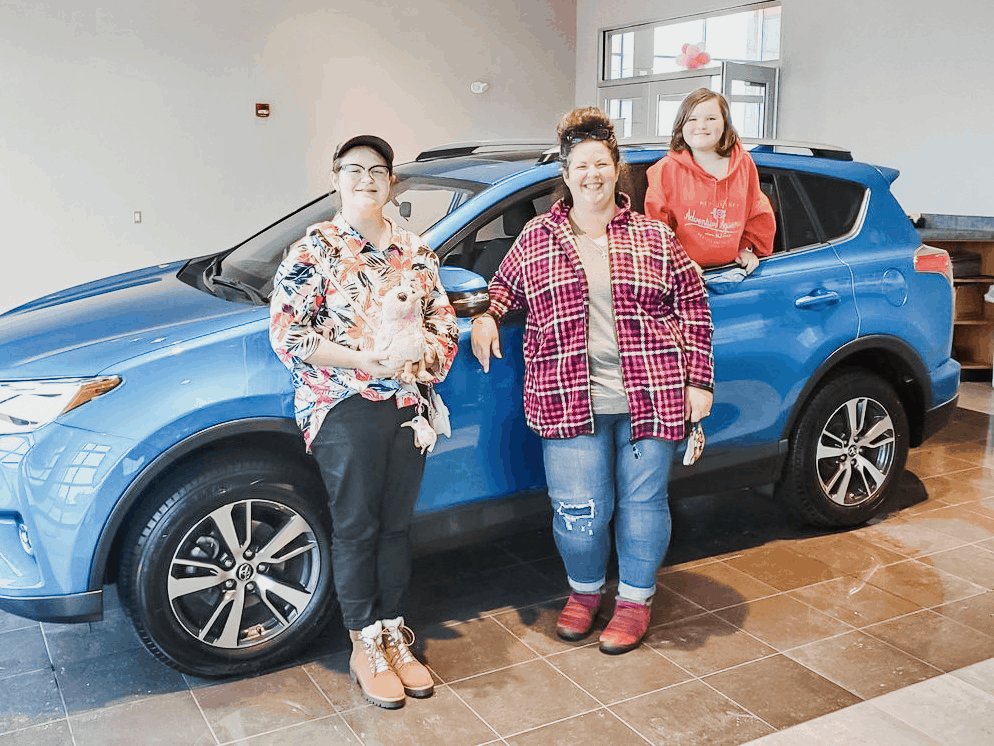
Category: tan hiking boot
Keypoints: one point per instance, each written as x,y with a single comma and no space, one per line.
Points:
397,640
370,670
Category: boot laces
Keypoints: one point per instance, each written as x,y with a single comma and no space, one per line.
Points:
374,654
397,640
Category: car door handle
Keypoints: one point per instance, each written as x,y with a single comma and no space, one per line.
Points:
818,299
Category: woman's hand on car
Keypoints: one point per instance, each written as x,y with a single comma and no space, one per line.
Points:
485,340
697,403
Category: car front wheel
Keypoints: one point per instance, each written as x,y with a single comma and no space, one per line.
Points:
229,571
848,451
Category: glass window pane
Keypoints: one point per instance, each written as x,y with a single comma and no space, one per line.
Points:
771,34
622,63
668,44
836,202
619,111
797,226
666,110
747,118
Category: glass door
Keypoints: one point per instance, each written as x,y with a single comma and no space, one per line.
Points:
751,92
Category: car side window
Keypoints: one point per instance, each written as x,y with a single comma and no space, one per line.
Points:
835,202
795,223
483,249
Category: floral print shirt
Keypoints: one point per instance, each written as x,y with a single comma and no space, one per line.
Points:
306,306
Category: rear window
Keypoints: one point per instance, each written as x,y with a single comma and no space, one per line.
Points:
836,202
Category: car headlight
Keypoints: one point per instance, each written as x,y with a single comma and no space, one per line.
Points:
27,405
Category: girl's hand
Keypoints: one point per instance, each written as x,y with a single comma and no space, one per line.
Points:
747,260
371,362
485,340
697,403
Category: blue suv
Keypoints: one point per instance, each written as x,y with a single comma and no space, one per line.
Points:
147,433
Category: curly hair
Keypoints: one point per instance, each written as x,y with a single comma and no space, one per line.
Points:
580,125
728,136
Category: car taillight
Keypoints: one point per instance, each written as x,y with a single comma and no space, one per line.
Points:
931,259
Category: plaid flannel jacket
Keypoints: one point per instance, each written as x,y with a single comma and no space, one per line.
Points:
662,321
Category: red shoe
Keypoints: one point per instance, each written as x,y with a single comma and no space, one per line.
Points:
626,629
577,617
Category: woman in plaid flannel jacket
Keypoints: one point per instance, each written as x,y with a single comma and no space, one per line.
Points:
618,357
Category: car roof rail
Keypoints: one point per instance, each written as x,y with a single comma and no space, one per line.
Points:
817,149
456,149
753,144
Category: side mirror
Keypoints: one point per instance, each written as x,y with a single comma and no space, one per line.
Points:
467,291
405,210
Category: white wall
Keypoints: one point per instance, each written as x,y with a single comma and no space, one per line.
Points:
902,83
112,106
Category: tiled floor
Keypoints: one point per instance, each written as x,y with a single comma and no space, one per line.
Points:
877,635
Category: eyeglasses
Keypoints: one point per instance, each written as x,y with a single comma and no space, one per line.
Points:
356,171
573,137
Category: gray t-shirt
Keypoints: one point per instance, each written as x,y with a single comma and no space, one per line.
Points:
607,389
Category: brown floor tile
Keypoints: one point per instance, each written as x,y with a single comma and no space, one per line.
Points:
29,699
783,568
957,521
460,650
862,664
987,544
523,697
922,584
980,476
690,714
327,731
847,553
73,642
331,675
535,626
612,678
165,719
706,644
783,622
906,538
781,691
247,707
935,463
442,719
976,612
970,563
854,601
954,491
598,727
935,639
114,679
22,650
9,622
667,606
716,585
977,453
50,734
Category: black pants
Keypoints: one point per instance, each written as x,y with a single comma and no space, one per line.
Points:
372,472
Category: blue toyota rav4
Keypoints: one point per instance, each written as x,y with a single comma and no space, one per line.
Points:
147,432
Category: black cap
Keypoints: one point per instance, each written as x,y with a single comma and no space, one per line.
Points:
378,144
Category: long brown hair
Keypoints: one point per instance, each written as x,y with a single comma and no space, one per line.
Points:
728,137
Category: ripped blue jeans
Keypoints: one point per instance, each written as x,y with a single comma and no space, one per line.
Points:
593,478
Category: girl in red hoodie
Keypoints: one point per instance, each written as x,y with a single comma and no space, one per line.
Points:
707,188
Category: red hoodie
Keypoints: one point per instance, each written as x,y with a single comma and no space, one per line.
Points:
713,218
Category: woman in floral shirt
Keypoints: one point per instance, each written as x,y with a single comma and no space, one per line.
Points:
353,410
617,358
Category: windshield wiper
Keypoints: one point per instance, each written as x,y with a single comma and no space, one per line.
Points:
243,287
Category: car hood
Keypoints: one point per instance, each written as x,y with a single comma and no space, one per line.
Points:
84,330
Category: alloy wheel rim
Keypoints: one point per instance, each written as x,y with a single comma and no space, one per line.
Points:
244,574
855,452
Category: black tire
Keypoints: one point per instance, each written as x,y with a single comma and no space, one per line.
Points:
847,453
210,583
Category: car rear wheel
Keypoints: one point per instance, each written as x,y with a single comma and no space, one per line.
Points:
229,571
848,452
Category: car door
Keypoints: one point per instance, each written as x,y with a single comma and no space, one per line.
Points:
491,451
772,331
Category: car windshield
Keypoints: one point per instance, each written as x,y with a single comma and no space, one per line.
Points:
418,202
